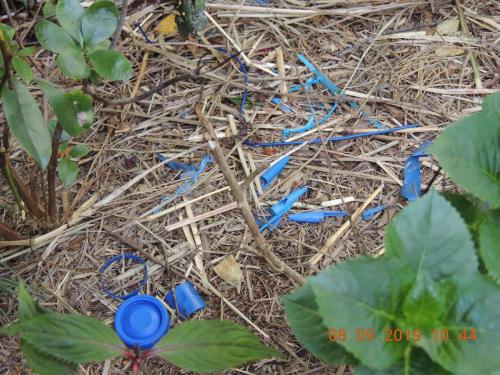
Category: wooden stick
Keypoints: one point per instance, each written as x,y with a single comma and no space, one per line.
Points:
10,234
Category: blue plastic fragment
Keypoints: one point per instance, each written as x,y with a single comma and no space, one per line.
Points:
141,322
273,171
115,259
279,209
370,213
283,106
315,216
411,189
143,33
187,298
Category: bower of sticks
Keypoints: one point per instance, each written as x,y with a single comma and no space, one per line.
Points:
394,64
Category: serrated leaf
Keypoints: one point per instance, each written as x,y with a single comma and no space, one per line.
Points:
28,308
364,293
69,14
67,170
428,232
26,122
42,364
489,240
69,338
54,38
211,345
478,308
469,151
22,68
79,151
308,326
111,65
67,106
99,22
25,52
73,65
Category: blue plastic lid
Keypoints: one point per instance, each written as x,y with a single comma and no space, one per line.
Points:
188,300
141,321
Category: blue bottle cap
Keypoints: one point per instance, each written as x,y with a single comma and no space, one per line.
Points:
141,321
188,300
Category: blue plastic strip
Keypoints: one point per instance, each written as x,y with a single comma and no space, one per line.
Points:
143,33
370,213
411,189
330,139
281,208
283,106
115,259
315,216
244,70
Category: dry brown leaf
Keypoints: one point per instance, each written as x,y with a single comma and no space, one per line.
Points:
229,271
449,51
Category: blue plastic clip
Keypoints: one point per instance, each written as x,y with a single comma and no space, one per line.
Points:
117,258
370,213
281,208
273,171
188,300
315,216
411,189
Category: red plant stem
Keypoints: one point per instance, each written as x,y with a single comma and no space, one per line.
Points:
51,176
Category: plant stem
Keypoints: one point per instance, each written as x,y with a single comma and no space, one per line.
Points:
119,27
10,234
7,58
240,197
51,176
10,180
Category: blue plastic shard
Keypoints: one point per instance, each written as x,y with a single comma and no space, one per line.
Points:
315,216
283,106
411,189
273,171
370,213
187,298
279,209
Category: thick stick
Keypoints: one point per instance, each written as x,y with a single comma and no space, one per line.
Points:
9,233
239,196
51,175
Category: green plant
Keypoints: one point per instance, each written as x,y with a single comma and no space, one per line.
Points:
426,306
56,343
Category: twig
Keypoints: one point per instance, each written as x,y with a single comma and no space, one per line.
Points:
263,248
10,180
7,58
9,233
51,176
119,27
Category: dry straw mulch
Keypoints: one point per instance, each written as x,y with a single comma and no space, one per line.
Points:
405,62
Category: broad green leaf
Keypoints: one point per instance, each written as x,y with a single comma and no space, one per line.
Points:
49,9
491,104
82,106
424,306
67,170
42,364
364,294
79,151
477,308
66,108
22,68
111,65
469,151
25,52
211,345
54,38
308,326
73,65
26,122
98,46
69,14
489,239
429,235
69,338
99,22
28,308
6,33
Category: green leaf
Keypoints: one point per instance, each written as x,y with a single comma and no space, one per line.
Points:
73,65
66,107
26,122
99,22
69,338
67,170
489,239
469,151
211,345
22,68
28,51
308,326
28,308
53,38
491,104
69,14
79,151
477,308
7,32
81,104
429,235
43,364
111,65
65,137
364,294
49,9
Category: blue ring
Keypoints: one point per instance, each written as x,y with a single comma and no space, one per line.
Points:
117,258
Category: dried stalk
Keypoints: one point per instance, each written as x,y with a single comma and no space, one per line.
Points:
10,234
51,176
119,27
238,194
